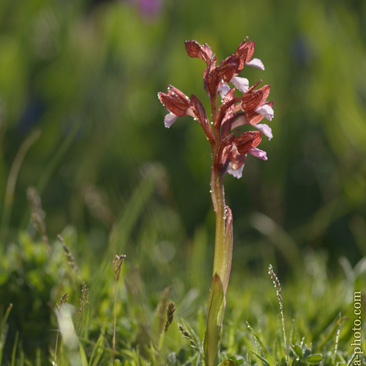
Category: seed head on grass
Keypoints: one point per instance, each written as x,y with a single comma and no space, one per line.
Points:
189,337
84,301
169,316
277,285
160,311
63,299
70,257
37,213
117,264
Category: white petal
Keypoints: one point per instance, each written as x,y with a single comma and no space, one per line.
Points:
260,154
169,119
237,173
266,111
223,90
265,129
241,84
255,62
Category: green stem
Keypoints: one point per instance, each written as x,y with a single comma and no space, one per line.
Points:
114,323
223,249
216,302
218,195
219,203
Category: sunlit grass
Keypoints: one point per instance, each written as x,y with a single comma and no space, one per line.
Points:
317,311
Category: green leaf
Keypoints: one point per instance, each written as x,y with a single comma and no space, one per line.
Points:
84,360
97,352
297,349
215,314
315,358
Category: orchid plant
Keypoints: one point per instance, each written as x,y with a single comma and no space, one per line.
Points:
230,146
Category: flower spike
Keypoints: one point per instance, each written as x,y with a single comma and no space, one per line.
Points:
231,143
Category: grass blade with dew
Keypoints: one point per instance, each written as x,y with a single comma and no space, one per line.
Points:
269,360
337,325
277,285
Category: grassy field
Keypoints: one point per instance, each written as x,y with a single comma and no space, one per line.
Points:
49,279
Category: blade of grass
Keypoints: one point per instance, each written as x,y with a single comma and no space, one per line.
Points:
259,356
4,330
56,158
14,353
134,208
13,176
269,358
97,351
333,331
84,360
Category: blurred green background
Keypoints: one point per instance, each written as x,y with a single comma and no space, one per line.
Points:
80,121
86,74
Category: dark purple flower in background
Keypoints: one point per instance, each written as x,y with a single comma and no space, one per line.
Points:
149,8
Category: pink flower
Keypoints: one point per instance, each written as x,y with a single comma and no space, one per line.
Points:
234,155
179,105
230,144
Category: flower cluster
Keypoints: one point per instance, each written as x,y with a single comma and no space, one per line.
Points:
230,144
